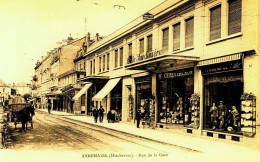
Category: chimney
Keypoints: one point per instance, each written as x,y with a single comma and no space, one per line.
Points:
84,47
96,37
70,39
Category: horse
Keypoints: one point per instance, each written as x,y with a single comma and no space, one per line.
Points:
25,115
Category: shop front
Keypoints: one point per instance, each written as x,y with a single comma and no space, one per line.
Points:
174,90
145,100
223,88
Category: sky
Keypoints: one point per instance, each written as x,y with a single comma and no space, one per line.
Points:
31,28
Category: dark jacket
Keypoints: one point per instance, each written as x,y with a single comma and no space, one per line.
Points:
138,116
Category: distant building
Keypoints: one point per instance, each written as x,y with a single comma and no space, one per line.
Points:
5,91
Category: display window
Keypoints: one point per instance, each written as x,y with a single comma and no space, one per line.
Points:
175,89
144,98
222,101
116,101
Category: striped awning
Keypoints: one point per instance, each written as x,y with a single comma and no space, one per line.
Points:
222,59
106,89
82,91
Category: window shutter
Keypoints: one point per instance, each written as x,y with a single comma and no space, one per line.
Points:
104,62
108,61
141,41
130,49
234,16
215,22
99,64
150,43
165,40
176,36
91,67
121,56
116,58
189,32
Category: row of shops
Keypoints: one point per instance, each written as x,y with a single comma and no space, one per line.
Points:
206,95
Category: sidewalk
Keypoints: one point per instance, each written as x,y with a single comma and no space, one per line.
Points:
200,144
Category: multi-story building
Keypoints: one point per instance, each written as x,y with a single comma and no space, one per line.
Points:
186,64
5,92
22,88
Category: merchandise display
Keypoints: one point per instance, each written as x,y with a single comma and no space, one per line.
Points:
248,116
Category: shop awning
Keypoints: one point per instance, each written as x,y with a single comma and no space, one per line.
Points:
83,90
222,59
106,89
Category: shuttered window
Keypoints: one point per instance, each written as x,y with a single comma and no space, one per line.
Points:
141,46
176,36
91,66
99,64
108,61
94,66
150,43
116,58
234,16
104,62
189,30
130,46
215,22
121,56
165,39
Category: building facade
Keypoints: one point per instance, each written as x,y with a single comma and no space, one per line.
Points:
192,66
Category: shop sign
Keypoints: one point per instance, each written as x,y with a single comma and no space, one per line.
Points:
176,74
146,56
229,66
143,79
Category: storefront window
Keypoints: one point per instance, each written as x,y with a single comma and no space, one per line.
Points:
144,98
175,89
222,101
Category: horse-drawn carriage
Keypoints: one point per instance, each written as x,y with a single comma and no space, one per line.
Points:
20,111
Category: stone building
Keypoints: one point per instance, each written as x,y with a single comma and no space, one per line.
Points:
189,65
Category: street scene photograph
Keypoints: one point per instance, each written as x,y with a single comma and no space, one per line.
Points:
130,80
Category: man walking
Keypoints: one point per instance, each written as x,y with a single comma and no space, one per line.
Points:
95,114
101,113
138,118
49,106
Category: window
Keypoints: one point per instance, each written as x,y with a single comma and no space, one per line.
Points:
91,65
150,43
84,65
121,56
141,46
130,47
104,62
108,61
116,58
234,16
215,22
94,66
3,89
99,64
189,32
176,36
165,39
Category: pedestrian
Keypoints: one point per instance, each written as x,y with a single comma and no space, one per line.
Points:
109,116
49,107
95,114
101,114
138,118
